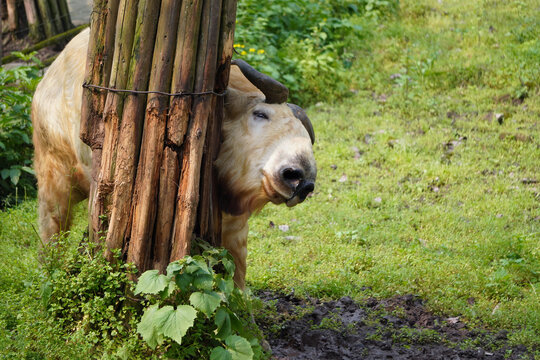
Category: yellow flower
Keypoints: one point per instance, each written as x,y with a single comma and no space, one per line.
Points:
252,50
243,52
260,51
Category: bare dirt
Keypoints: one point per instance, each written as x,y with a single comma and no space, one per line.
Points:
396,328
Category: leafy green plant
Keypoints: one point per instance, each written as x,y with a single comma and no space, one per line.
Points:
196,312
306,45
87,296
16,88
193,312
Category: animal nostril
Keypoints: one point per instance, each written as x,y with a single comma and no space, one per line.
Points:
292,175
308,187
304,189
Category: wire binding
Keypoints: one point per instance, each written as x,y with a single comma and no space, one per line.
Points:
210,92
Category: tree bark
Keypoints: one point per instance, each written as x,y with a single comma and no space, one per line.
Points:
46,17
209,210
112,110
1,29
188,192
147,182
64,14
147,162
182,81
11,6
32,18
56,18
131,125
98,66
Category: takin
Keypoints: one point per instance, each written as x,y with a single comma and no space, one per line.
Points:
266,153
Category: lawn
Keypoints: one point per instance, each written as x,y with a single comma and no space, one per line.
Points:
428,175
428,181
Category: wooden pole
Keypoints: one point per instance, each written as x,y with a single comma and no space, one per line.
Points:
131,125
98,66
56,17
64,14
45,14
1,29
147,182
11,6
33,19
147,162
209,218
188,192
180,109
112,110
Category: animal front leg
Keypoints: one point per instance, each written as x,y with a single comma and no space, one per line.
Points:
234,239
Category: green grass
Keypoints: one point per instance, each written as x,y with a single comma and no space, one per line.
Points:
430,194
420,189
25,329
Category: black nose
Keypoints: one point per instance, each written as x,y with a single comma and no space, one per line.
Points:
295,179
304,188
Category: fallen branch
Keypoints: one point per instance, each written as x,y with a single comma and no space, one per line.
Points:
42,44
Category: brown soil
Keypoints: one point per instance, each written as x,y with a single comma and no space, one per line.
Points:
396,328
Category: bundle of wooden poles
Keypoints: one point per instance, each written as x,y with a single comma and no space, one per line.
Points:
153,146
36,18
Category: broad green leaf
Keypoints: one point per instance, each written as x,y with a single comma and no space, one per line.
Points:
151,282
207,302
256,347
239,347
203,282
226,285
147,327
15,174
177,322
198,267
236,324
229,265
183,281
168,290
219,353
28,170
174,268
223,322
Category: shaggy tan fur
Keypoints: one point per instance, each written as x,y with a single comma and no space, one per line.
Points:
252,154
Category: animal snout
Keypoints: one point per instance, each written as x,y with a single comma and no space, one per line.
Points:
295,178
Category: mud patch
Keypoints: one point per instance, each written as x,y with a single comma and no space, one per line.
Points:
396,328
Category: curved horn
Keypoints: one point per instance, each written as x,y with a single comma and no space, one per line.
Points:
274,91
299,113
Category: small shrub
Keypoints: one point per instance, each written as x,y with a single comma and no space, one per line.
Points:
16,88
196,312
193,312
306,45
87,296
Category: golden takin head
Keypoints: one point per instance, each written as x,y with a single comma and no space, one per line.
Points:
266,154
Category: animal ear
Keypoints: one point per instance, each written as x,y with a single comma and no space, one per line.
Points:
237,101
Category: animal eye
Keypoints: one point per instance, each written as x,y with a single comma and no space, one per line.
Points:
260,115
